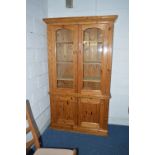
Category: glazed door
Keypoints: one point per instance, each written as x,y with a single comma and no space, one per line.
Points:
91,70
63,80
65,41
91,56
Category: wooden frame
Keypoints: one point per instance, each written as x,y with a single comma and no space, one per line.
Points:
31,128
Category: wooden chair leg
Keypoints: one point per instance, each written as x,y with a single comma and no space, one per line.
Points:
74,152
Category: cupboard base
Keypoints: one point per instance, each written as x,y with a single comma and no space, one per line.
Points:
98,132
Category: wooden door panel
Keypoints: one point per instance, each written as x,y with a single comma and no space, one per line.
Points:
59,110
89,113
64,111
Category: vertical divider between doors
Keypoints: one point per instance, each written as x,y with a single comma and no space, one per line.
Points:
79,69
76,72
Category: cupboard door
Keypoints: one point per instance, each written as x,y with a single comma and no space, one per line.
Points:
64,54
91,56
93,113
64,111
89,113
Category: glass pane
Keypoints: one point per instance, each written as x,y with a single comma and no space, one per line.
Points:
64,84
92,53
64,52
64,35
91,85
64,58
65,71
92,71
93,34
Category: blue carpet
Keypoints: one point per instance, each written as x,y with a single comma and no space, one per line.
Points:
116,143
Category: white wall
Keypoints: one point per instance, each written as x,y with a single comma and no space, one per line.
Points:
119,84
36,59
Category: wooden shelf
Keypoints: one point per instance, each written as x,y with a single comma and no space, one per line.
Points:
91,80
61,62
65,42
95,42
92,62
65,79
